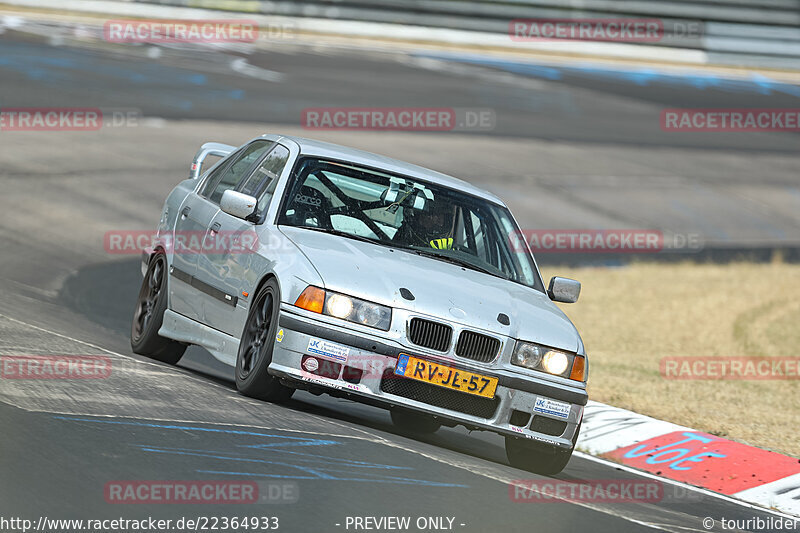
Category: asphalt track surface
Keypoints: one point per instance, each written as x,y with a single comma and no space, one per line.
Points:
571,147
62,441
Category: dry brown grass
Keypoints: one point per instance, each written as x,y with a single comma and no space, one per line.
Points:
631,317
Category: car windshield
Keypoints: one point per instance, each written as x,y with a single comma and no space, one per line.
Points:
431,220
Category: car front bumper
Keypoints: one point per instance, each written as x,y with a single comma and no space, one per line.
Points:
363,370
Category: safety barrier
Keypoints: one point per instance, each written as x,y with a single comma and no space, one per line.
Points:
762,33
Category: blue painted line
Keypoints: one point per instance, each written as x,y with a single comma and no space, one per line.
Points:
402,481
350,463
211,455
270,476
326,472
194,428
58,65
214,455
304,465
280,444
55,66
644,76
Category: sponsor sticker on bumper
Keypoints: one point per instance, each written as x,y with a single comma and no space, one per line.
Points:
328,350
550,407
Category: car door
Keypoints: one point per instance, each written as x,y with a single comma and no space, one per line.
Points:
231,264
194,216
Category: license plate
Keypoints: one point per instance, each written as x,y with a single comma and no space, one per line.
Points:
444,376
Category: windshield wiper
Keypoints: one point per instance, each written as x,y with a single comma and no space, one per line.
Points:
341,233
456,261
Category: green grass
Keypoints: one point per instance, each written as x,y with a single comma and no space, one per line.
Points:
633,316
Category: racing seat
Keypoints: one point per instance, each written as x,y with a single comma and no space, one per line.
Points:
311,208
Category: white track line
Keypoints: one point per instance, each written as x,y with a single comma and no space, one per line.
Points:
128,357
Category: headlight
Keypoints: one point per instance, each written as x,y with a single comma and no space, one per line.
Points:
544,359
368,313
555,362
345,307
527,355
339,305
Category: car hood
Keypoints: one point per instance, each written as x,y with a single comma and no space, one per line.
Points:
450,292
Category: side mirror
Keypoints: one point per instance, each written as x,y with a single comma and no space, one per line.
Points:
564,290
238,204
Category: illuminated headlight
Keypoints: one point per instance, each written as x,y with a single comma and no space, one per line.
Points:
345,307
339,305
360,311
544,359
555,362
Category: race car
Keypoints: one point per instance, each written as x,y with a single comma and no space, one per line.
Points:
308,265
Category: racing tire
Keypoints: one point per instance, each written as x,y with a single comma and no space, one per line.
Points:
529,456
415,423
255,348
149,315
526,456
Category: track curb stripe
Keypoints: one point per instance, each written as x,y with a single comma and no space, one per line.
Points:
689,456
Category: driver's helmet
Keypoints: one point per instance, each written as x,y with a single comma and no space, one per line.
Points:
434,224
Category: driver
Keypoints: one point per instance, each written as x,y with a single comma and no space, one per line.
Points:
431,226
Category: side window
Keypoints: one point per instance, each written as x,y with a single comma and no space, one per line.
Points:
262,181
235,172
216,174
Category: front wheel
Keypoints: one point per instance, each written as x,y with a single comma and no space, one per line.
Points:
528,456
149,315
255,348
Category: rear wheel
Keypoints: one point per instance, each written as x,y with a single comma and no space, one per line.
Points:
412,422
149,315
255,348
